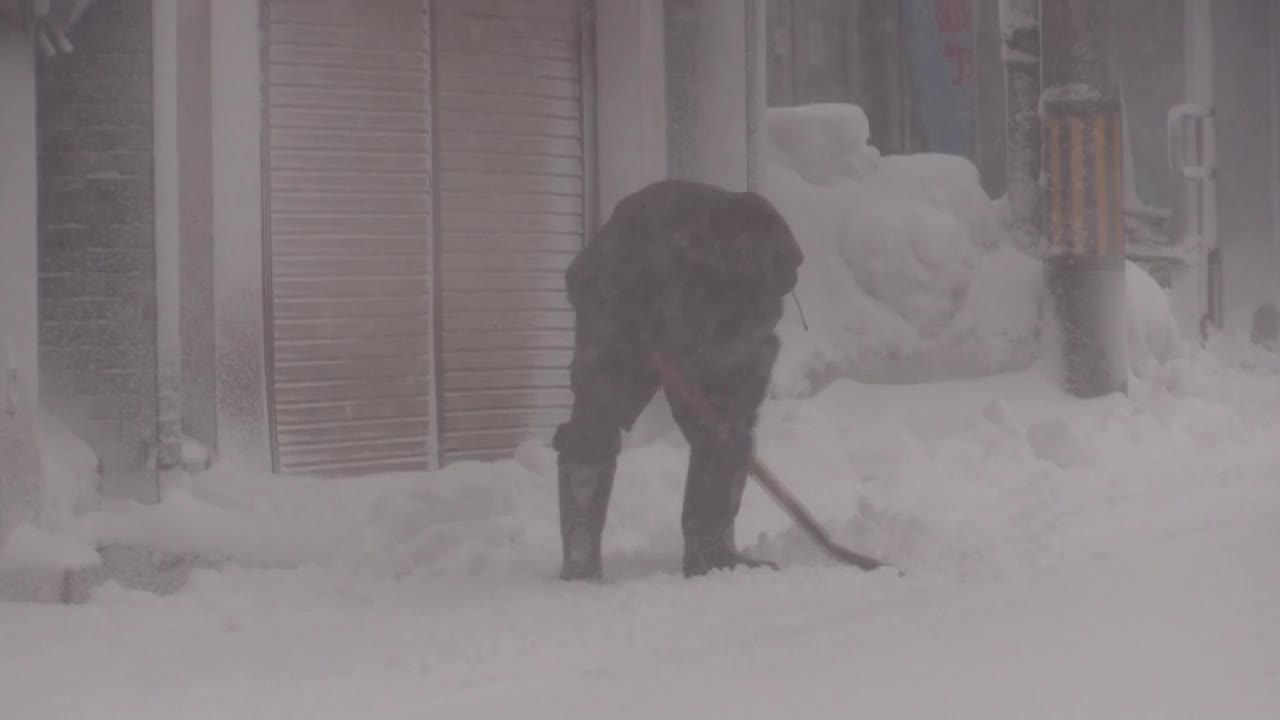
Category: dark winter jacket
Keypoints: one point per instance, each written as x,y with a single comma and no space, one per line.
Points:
687,269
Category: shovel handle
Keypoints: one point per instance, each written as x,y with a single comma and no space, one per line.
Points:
672,379
801,516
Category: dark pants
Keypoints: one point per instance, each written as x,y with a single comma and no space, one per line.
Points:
612,384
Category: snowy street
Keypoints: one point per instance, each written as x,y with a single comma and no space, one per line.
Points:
1065,559
1181,625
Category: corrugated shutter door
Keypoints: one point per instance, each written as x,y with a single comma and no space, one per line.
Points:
349,235
510,143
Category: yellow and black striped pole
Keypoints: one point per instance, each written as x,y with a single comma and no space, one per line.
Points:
1084,232
1084,164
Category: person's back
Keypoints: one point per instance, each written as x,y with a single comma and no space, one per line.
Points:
680,262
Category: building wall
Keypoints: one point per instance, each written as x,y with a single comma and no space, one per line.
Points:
992,125
97,275
20,471
630,109
1246,225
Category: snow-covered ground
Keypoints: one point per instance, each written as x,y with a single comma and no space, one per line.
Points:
1114,558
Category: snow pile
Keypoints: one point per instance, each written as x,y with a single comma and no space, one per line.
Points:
1154,339
908,276
36,555
911,273
70,475
824,143
29,548
468,518
967,478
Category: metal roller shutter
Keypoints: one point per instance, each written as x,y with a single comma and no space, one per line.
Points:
349,227
511,146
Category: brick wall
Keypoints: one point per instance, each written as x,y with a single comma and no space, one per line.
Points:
97,284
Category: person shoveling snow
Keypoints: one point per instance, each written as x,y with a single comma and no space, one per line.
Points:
684,278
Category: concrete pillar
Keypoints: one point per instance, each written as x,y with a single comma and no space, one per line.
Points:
757,86
195,182
720,82
20,470
713,84
239,305
164,29
631,101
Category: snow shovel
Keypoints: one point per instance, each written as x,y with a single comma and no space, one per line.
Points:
801,516
761,472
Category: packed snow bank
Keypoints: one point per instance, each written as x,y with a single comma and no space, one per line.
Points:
1154,339
908,275
41,567
40,550
911,274
465,519
953,478
29,548
824,143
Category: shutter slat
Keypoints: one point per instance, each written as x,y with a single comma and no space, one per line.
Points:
349,185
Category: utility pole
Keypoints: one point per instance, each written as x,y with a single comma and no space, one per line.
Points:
1083,197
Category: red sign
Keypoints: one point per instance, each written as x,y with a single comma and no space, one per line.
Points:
955,18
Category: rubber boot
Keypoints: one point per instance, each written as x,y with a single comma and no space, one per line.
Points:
713,496
584,504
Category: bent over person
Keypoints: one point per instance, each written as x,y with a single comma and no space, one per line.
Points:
685,280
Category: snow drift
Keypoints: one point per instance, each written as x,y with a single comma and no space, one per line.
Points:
70,475
1154,339
908,275
965,478
39,552
911,274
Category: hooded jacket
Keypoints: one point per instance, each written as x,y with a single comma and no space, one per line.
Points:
687,269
